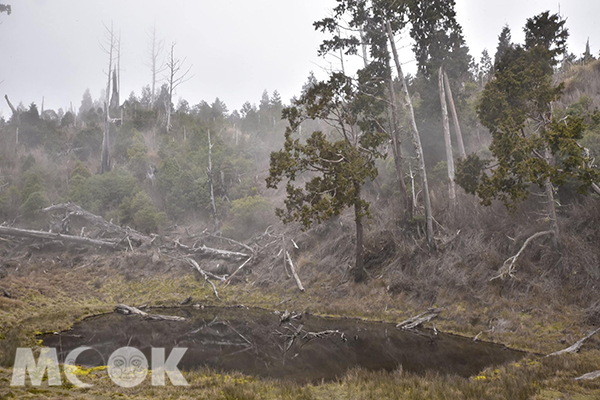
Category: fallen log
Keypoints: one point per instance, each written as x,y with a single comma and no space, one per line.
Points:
26,233
577,346
589,376
210,252
417,320
237,270
204,274
235,242
128,310
294,274
108,227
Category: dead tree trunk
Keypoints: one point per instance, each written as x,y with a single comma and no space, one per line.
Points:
359,270
210,183
8,231
551,204
109,228
416,139
397,150
459,136
294,273
14,111
105,154
447,139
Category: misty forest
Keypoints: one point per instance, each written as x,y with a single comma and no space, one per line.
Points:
383,234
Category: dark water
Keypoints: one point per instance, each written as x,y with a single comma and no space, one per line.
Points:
253,342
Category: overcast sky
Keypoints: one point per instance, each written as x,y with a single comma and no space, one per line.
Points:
238,48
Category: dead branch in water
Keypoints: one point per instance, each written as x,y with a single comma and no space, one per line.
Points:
417,320
577,346
128,310
26,233
508,268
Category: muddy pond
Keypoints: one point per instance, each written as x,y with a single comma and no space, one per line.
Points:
254,342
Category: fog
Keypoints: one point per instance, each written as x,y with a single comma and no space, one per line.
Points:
51,49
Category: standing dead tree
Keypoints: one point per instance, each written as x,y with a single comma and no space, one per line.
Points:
176,76
109,46
416,138
155,49
210,184
447,138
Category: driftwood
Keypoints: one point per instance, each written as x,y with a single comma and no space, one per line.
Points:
294,274
575,347
210,252
204,274
108,227
417,320
589,376
8,231
128,310
508,268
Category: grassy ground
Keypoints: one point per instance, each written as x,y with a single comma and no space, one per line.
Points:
52,292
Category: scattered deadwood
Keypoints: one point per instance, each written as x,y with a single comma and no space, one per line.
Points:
596,188
26,233
250,249
107,227
417,320
204,274
575,348
294,274
128,310
508,268
210,252
589,376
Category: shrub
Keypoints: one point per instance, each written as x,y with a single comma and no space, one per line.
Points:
35,202
250,214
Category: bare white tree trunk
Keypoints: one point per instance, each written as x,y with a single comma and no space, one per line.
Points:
447,139
175,78
210,182
105,155
416,139
459,136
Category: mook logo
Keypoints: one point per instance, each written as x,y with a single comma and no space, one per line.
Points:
127,367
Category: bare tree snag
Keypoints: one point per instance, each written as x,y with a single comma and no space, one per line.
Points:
294,274
110,42
155,49
15,112
210,183
577,346
109,228
508,268
417,320
416,138
17,232
447,138
127,310
175,78
397,149
459,136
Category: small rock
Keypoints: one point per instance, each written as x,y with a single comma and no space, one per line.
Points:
186,301
6,294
